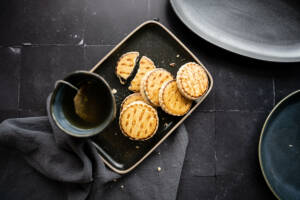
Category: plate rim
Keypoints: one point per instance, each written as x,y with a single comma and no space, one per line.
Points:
181,120
230,47
262,135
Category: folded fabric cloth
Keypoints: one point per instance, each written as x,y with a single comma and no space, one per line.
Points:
39,161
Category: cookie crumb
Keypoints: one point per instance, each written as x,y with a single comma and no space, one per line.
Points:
137,147
116,133
159,169
122,186
172,64
177,56
114,91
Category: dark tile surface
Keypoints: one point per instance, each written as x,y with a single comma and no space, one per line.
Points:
221,160
10,65
11,22
242,186
110,21
163,12
53,22
286,79
197,188
160,10
41,67
243,85
209,103
237,136
33,112
200,156
94,53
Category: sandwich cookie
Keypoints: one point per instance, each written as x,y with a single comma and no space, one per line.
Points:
131,98
171,100
151,84
192,80
145,65
138,121
126,65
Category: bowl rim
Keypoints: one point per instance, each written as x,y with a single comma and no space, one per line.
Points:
262,134
53,95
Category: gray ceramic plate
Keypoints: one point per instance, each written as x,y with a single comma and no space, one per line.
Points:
153,40
279,148
267,30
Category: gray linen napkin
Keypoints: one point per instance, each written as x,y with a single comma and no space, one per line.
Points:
38,161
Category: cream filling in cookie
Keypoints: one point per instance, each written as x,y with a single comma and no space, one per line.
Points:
171,100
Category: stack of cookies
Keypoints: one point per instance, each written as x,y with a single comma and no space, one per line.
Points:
156,87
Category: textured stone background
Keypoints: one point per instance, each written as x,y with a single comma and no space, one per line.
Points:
42,41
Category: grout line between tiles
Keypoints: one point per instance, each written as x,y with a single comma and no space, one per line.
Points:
55,45
45,45
84,23
84,32
274,94
215,132
215,143
216,193
207,111
19,77
58,45
242,111
84,55
11,45
19,87
99,45
203,176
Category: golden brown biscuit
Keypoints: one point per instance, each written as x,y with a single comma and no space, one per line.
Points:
138,121
145,65
126,65
192,80
171,100
142,86
151,84
131,98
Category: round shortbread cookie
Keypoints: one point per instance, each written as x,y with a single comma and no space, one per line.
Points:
151,84
138,121
171,100
145,65
192,80
126,65
131,98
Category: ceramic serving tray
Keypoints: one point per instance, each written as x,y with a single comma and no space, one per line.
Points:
279,148
155,41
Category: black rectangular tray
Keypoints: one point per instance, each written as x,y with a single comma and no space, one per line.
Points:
155,41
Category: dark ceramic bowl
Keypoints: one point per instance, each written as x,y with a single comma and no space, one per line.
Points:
62,105
279,148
